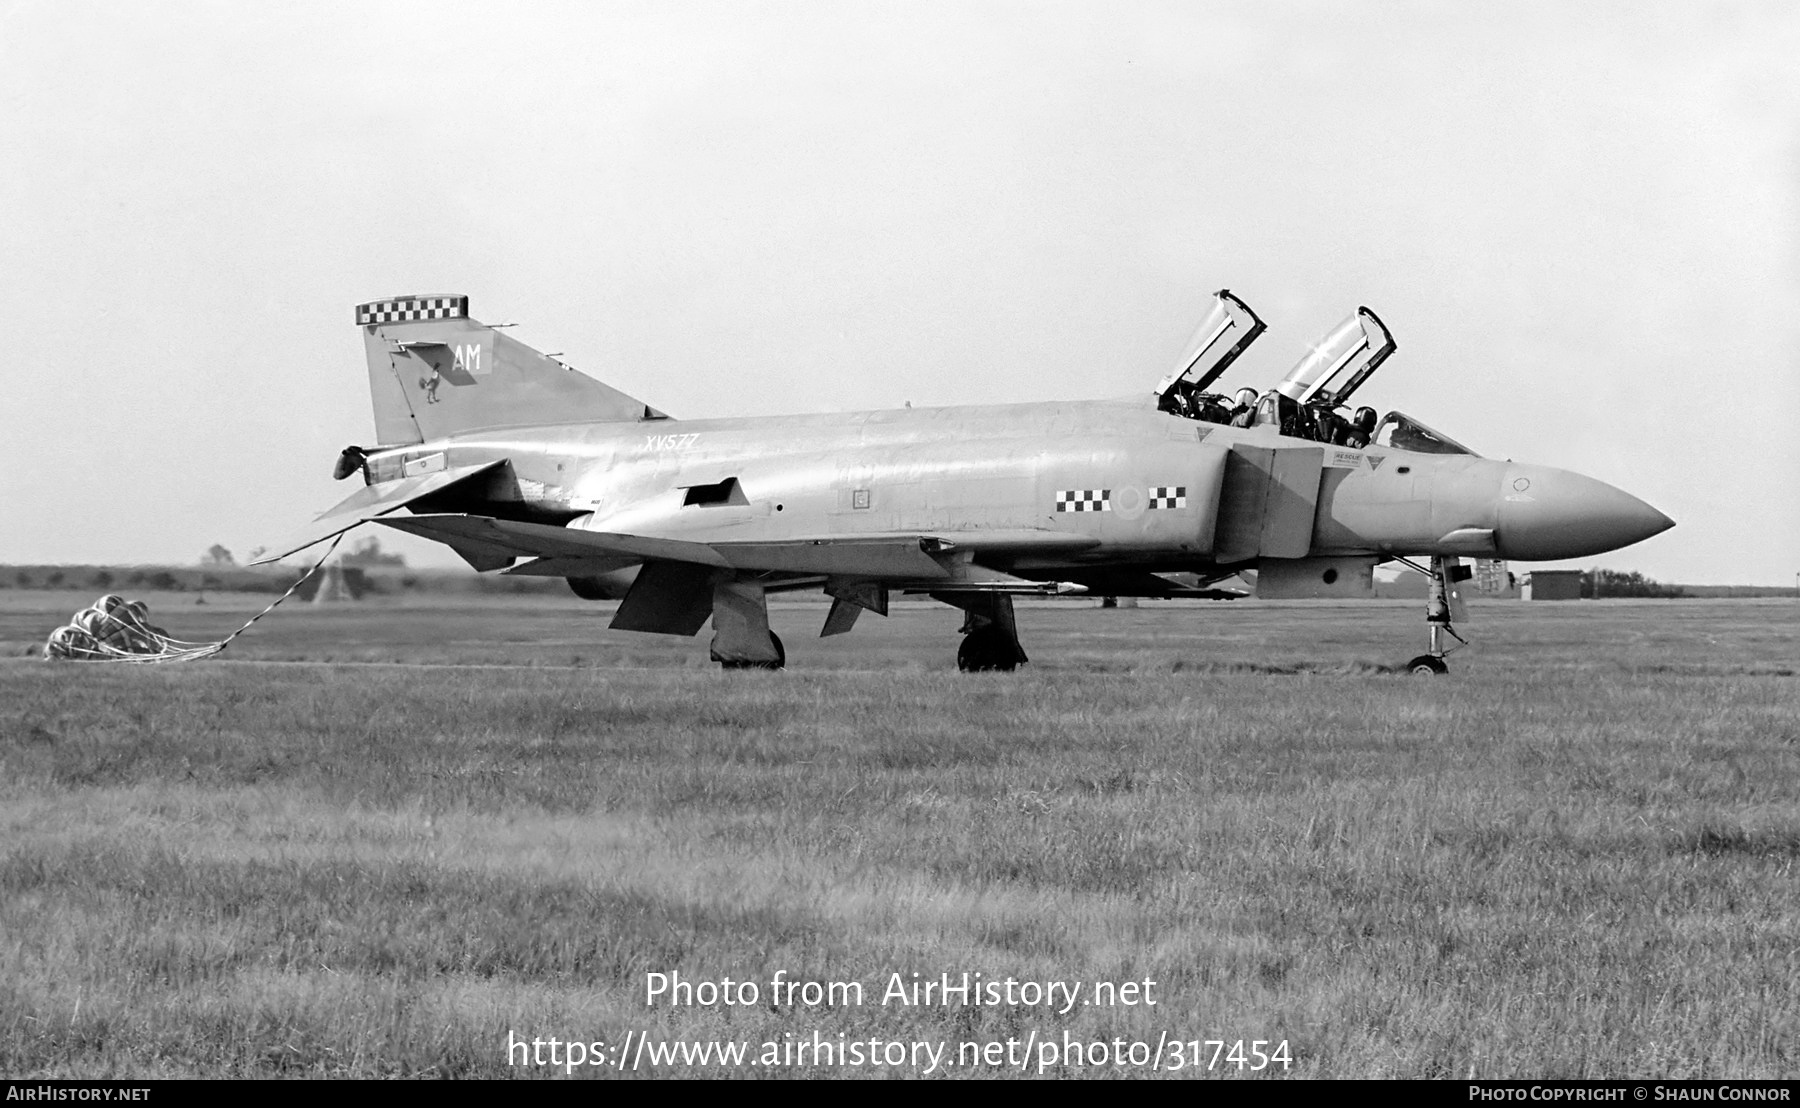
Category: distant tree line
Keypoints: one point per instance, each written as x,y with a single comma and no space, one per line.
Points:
124,580
369,555
1611,583
384,579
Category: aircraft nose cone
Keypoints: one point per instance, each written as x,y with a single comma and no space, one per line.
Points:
1546,514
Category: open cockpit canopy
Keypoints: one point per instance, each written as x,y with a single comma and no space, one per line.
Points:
1340,362
1311,402
1222,336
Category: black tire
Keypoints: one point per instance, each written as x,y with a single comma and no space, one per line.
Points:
780,661
986,651
1427,665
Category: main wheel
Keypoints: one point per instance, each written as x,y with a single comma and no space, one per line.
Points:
986,650
780,661
1429,665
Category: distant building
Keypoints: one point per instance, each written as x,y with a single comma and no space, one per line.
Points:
1552,584
334,582
1491,578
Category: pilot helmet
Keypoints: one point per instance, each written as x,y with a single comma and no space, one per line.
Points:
1246,397
1365,419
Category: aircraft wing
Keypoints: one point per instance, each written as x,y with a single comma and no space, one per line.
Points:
900,556
371,502
570,551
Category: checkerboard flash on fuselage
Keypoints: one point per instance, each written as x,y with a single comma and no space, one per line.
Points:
524,466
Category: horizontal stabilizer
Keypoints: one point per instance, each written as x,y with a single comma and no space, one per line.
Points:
370,502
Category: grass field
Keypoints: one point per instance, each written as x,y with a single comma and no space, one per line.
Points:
378,839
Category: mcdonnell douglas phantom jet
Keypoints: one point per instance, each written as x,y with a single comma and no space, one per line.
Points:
522,465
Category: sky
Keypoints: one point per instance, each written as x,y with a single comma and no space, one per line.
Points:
1581,223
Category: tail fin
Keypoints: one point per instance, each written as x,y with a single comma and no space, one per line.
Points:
433,371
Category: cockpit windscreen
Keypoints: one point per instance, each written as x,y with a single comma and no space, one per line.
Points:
1399,431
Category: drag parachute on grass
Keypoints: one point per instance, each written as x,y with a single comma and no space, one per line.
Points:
118,630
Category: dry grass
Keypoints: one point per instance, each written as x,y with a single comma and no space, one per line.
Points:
1575,857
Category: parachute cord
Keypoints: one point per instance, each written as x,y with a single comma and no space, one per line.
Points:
177,650
226,641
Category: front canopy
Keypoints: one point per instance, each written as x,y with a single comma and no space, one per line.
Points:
1340,362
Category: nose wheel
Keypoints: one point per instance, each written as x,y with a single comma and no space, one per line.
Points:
1428,665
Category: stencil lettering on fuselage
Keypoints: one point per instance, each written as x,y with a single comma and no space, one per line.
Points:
1350,459
671,442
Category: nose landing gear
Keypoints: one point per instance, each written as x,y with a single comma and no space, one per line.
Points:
1429,665
1443,604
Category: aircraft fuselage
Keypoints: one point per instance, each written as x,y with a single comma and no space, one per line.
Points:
521,464
1117,482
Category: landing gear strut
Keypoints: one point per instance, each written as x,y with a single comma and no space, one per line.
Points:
1442,605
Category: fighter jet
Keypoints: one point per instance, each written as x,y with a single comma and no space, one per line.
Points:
522,465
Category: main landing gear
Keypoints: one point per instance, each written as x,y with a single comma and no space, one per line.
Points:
741,635
1442,605
990,635
986,649
778,662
